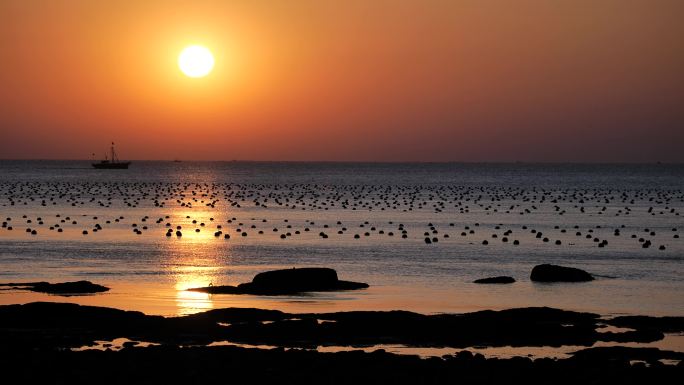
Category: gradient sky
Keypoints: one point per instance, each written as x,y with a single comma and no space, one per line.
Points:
424,80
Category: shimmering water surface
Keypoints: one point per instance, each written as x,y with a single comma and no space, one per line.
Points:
469,203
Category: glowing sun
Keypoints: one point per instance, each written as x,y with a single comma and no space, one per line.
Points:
196,61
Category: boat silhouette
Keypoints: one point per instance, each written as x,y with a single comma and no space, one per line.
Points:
111,163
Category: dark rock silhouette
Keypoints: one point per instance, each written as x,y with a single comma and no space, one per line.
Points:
663,324
500,279
37,337
288,281
62,288
617,353
555,273
211,365
60,325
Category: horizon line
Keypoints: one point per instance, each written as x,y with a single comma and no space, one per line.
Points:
367,161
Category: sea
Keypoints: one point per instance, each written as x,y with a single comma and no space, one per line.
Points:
418,233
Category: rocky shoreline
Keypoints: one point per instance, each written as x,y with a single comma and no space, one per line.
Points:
218,365
42,334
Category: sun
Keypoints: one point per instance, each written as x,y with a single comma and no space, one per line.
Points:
196,61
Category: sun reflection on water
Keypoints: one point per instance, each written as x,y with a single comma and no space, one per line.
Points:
189,302
194,262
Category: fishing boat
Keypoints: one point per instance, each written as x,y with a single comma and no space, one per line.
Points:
112,162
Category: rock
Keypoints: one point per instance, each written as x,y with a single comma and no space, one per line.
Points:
288,281
78,287
662,324
500,279
624,353
555,273
63,288
51,327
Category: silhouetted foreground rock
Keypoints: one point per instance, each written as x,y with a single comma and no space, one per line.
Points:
500,279
221,365
555,273
68,325
662,324
650,355
33,338
62,288
288,281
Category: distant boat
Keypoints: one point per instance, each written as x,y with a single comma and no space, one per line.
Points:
111,163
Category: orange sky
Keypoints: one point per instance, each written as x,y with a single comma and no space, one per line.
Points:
429,80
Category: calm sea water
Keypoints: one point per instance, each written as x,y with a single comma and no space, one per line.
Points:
469,203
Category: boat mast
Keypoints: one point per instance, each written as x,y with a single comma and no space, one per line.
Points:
114,157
